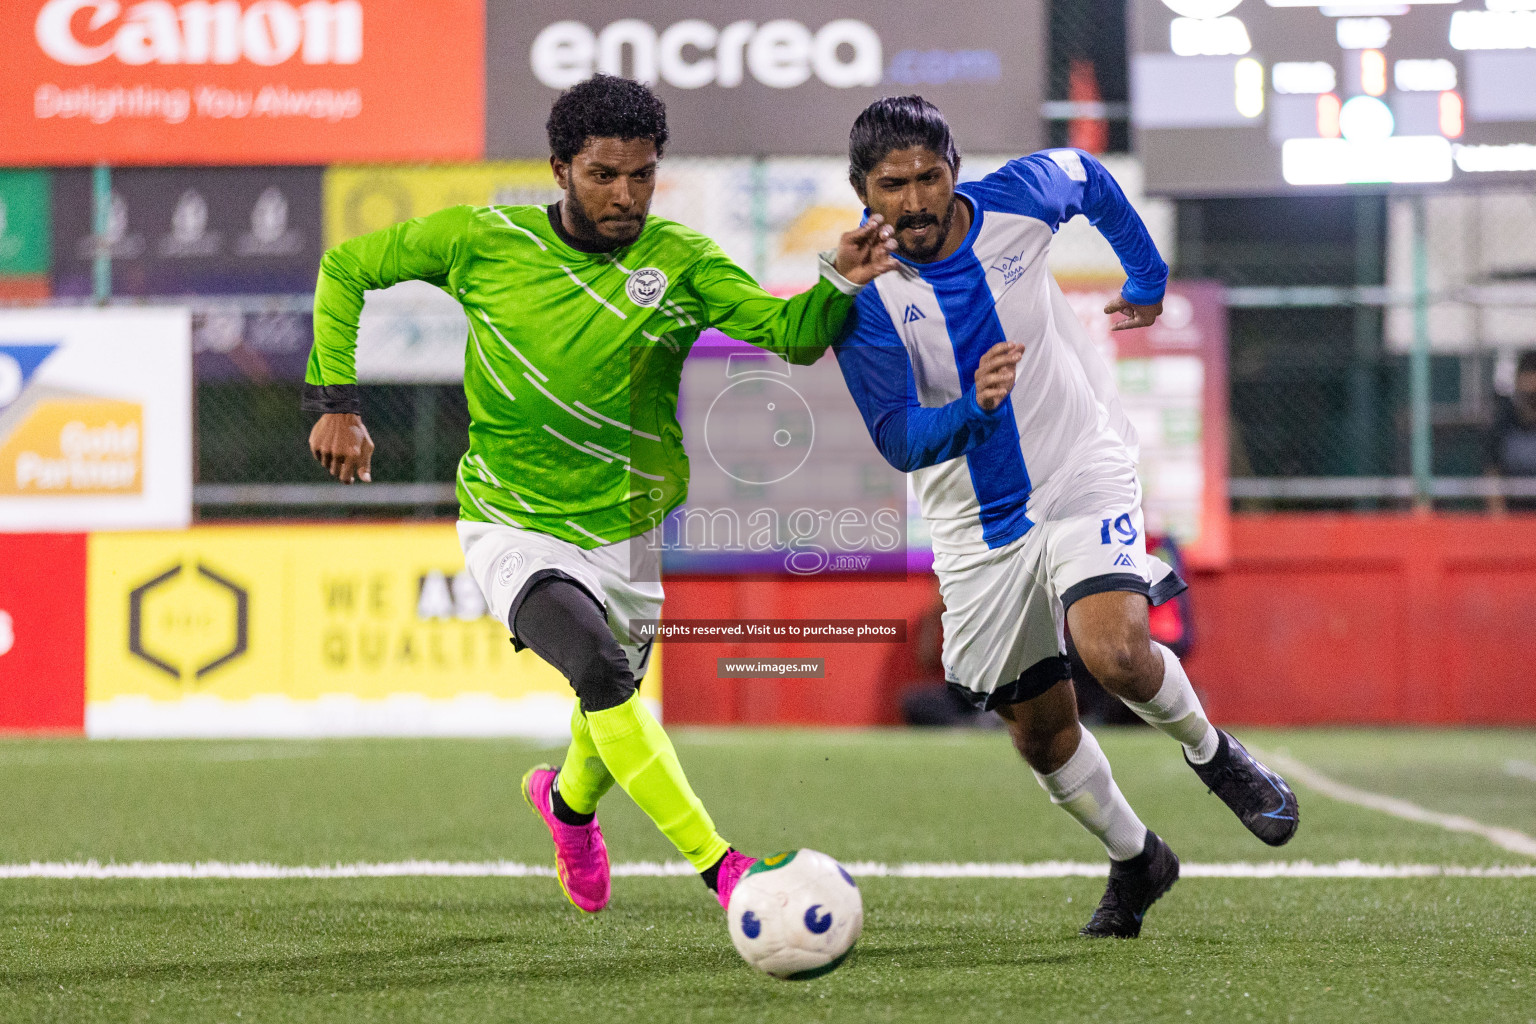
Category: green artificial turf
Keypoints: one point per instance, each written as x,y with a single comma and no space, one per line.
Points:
494,949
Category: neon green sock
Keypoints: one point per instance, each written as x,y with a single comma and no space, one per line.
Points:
583,777
638,753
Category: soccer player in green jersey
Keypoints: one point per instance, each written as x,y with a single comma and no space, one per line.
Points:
580,316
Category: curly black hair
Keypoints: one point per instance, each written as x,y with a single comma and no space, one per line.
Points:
605,107
897,122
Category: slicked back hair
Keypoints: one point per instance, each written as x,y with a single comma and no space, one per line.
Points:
897,122
605,107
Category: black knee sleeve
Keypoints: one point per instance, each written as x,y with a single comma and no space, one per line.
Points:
564,625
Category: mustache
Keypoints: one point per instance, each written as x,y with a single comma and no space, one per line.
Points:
915,220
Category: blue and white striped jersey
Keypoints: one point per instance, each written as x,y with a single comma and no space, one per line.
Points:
1062,446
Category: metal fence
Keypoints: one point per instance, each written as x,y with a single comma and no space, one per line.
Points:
1323,408
1370,338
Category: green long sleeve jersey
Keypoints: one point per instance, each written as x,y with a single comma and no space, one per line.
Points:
573,359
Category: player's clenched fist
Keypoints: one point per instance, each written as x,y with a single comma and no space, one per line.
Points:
994,376
341,444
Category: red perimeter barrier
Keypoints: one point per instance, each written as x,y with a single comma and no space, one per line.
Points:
1411,619
1415,619
42,631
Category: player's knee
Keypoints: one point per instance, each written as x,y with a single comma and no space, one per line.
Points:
1046,746
1044,730
1036,748
601,678
1118,662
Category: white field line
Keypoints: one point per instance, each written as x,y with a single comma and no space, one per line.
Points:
653,869
1505,838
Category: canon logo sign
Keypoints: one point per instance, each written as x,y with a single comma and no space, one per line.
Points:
268,32
692,54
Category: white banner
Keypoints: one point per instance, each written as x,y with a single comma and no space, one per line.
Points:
95,419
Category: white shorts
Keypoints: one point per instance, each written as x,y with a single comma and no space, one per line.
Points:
1005,610
623,578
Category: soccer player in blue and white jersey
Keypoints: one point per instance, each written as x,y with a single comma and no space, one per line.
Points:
974,375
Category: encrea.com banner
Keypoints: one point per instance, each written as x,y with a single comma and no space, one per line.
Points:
241,81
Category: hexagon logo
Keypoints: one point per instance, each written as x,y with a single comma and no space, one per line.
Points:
188,624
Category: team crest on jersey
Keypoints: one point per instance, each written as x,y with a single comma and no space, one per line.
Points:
646,286
506,569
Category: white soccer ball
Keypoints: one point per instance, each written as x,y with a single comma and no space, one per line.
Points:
796,915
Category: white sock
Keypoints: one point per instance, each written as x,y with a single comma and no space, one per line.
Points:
1085,788
1177,711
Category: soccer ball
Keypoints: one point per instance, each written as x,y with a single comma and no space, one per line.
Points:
796,915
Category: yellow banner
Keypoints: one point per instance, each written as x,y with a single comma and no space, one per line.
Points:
362,199
70,446
300,612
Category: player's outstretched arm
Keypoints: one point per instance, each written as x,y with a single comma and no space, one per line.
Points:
1059,184
801,328
340,442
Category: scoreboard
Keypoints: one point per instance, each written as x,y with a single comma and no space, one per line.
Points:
1280,96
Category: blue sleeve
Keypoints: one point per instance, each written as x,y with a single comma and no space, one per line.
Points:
879,376
1059,184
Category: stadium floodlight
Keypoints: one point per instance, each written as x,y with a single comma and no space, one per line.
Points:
1362,33
1248,78
1492,159
1494,30
1202,9
1432,75
1365,119
1211,37
1353,72
1303,77
1339,6
1404,159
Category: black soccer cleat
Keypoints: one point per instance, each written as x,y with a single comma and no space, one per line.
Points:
1134,885
1260,798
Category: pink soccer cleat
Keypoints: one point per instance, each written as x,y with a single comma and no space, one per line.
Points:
581,856
732,867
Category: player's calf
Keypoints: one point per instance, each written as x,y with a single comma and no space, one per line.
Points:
1114,643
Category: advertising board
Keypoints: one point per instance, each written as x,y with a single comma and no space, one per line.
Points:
306,631
1172,380
745,77
192,231
24,234
241,81
42,631
95,419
